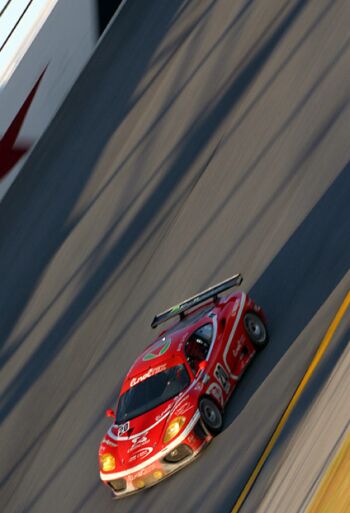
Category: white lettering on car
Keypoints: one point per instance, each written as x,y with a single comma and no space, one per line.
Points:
239,346
215,390
151,372
165,412
138,441
108,442
141,453
183,408
142,472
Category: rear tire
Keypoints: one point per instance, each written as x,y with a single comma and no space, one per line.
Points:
211,415
256,330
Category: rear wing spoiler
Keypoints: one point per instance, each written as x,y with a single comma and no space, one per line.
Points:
211,292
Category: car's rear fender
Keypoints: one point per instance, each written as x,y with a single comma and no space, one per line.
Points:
253,307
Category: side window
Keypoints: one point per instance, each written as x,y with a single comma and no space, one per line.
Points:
205,332
197,346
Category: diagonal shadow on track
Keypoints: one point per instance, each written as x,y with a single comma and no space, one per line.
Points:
319,212
303,275
292,289
198,138
41,227
320,378
69,226
54,342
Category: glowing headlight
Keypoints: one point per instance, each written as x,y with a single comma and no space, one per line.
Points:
107,462
174,428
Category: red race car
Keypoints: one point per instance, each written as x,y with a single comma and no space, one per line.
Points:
172,399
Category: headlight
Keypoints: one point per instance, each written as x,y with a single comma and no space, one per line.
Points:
174,428
107,462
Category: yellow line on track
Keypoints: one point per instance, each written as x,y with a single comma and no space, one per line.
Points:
333,495
291,405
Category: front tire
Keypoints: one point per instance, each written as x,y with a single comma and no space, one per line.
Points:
211,415
256,330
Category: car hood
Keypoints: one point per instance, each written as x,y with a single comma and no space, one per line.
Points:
144,437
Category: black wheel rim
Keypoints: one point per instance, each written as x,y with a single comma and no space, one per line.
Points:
255,328
211,414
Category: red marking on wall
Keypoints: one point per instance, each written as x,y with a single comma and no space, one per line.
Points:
10,152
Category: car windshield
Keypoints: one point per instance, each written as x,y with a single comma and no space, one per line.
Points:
152,392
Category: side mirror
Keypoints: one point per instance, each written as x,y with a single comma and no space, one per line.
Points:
202,366
109,413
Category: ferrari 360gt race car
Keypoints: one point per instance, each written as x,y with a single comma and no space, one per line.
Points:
172,400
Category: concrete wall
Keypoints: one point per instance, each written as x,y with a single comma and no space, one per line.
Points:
53,40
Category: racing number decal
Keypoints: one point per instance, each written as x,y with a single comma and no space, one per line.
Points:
123,428
216,391
222,377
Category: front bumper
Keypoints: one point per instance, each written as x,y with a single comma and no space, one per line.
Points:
170,461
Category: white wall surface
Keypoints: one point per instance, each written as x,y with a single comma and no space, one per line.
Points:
64,34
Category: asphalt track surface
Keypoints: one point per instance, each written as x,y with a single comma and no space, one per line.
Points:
203,138
312,437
